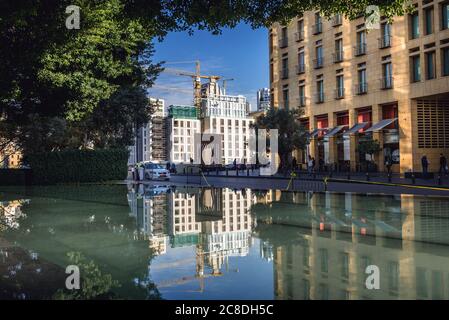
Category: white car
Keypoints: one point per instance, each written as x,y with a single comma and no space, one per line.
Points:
154,171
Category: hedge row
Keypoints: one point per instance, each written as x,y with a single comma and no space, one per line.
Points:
15,177
75,166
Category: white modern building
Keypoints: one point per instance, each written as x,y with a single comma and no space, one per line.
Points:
182,125
229,116
263,99
150,140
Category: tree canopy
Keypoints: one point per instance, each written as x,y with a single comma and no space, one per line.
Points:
53,76
292,135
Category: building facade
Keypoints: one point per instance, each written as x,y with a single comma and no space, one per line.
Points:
182,124
390,84
228,116
263,100
150,142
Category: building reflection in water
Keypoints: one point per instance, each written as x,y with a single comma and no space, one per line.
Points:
325,255
319,244
217,222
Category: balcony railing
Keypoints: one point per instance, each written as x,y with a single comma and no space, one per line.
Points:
317,28
339,93
284,73
300,68
385,42
337,20
318,62
319,97
361,88
283,42
338,56
301,101
386,83
299,36
360,49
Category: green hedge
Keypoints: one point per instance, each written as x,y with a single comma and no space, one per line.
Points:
79,166
14,177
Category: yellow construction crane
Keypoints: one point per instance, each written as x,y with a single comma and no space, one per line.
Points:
196,76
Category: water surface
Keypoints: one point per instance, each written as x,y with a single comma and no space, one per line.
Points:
136,242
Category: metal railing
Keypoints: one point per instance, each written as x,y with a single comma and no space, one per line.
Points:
319,97
284,74
338,56
318,62
360,49
301,101
386,83
361,88
299,36
283,42
385,41
337,20
339,93
317,28
300,68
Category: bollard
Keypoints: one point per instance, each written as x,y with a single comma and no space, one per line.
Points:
439,180
227,172
237,172
217,171
349,175
247,172
367,176
413,179
389,177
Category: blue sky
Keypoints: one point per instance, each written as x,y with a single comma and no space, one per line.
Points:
240,53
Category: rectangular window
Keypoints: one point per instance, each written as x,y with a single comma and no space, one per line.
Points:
414,25
285,68
430,65
324,260
302,96
338,50
319,55
301,61
445,16
285,97
428,17
385,35
340,87
361,43
387,74
416,68
445,62
362,87
320,91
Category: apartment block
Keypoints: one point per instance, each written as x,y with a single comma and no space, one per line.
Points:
182,125
389,83
150,142
229,116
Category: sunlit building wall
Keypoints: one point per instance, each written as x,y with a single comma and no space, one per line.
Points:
389,84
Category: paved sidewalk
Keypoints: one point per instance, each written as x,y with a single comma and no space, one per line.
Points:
352,177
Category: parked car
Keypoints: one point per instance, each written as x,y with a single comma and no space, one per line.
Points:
154,171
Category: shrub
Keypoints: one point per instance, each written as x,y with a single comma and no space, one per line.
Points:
14,177
79,166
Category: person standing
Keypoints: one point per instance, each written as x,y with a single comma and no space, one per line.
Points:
294,164
425,164
388,165
309,165
443,164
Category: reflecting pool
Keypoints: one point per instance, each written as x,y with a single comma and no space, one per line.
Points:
142,242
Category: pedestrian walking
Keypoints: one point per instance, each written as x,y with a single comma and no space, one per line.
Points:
310,165
443,164
388,165
294,164
424,164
